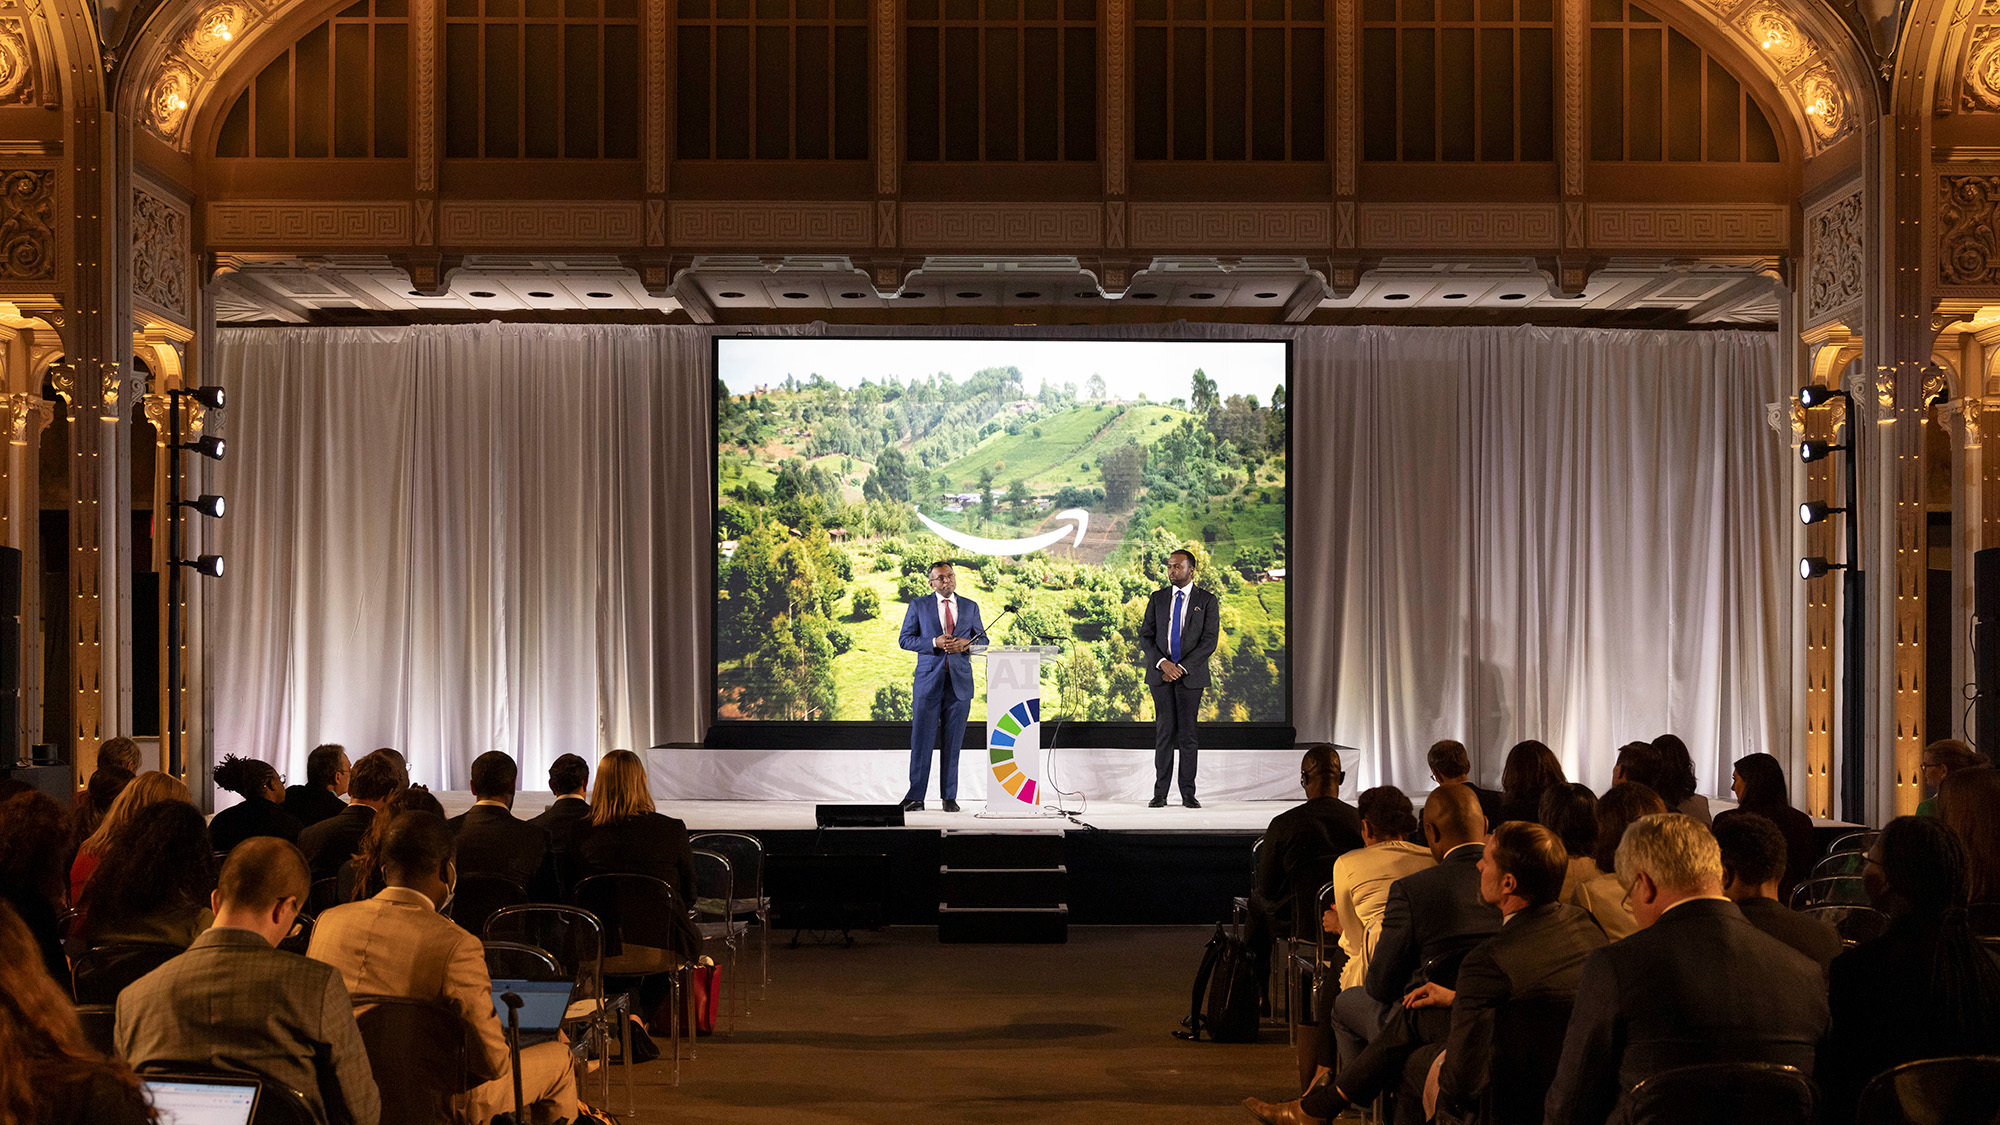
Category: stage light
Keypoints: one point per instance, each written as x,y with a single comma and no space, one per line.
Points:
211,565
1813,511
209,447
1816,567
1814,394
1810,451
208,504
210,397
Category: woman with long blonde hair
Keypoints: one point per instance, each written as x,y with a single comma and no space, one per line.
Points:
144,791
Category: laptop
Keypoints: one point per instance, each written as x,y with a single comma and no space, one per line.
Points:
543,1003
203,1101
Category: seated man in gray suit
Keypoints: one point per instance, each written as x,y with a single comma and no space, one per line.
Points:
235,1002
1697,984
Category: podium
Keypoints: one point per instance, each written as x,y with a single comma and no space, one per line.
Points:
1014,729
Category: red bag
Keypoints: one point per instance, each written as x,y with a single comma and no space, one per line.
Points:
706,980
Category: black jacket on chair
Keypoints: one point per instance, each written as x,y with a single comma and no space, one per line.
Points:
1699,985
1431,914
493,841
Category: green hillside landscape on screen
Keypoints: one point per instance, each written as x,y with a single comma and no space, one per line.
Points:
823,484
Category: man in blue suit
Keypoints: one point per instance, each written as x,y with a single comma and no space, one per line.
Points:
940,630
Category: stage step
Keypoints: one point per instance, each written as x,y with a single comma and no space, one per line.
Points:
1004,886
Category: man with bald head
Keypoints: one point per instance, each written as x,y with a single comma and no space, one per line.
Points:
234,1001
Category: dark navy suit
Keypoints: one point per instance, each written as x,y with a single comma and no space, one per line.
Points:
941,694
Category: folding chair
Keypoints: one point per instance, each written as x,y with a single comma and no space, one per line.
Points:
416,1049
713,884
747,899
573,940
643,920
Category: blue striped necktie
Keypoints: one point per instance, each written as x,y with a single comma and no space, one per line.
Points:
1174,630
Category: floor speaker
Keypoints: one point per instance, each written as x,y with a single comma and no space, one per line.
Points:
1986,648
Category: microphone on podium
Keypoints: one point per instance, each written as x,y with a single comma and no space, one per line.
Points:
982,638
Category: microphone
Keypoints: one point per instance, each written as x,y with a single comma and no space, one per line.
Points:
986,640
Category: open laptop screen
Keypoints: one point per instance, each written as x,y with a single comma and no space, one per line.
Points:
203,1101
542,1002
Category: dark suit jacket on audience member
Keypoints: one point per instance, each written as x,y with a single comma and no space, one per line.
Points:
1299,849
255,816
493,841
312,803
647,844
333,841
563,819
1430,914
1809,936
1700,985
1801,846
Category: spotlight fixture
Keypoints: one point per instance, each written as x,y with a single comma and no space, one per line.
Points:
211,565
1815,394
209,447
210,396
208,504
1813,511
1815,567
1810,451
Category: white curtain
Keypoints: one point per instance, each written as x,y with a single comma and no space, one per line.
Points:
456,539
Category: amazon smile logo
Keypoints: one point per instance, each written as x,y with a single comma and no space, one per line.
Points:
980,545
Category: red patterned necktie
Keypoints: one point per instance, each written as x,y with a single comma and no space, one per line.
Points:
950,619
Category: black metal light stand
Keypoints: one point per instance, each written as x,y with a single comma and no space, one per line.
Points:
1853,622
211,565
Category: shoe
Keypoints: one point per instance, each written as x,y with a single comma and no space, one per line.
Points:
951,806
1157,803
1190,803
913,806
1284,1113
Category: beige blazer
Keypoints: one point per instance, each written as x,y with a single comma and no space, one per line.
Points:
1600,893
1361,881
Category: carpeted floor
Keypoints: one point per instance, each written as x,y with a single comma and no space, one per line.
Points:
899,1028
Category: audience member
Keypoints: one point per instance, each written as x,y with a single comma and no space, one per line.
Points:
326,783
626,836
361,876
119,753
32,843
1698,983
397,944
401,763
493,841
1676,778
1298,854
1969,801
49,1074
1941,759
569,780
1639,764
1570,811
146,790
1530,771
1753,858
1361,878
1925,988
235,1002
262,810
1759,785
333,841
1451,765
1621,806
1539,952
94,801
154,882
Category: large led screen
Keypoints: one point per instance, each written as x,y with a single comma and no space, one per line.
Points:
1057,475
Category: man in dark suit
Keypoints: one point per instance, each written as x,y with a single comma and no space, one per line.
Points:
1297,855
1451,765
1177,636
1753,862
318,799
493,841
235,1002
569,780
941,630
333,841
1528,970
1697,984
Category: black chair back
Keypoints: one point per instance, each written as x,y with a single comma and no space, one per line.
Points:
322,896
510,960
103,971
1523,1067
100,1025
1934,1092
646,929
1854,924
1834,890
1732,1093
478,896
417,1052
277,1104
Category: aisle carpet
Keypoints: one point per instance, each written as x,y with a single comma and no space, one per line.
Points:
899,1028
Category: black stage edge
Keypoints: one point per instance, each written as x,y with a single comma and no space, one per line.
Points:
767,735
1115,878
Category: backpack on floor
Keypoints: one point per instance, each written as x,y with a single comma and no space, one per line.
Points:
1227,984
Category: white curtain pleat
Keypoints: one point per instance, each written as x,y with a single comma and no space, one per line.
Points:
456,539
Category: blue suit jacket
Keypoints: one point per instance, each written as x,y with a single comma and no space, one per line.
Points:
920,626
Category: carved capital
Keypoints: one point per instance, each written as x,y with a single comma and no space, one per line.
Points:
117,387
24,415
1787,418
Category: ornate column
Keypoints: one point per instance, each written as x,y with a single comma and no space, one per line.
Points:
23,417
887,140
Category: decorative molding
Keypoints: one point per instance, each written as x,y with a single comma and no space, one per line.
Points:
1576,18
656,222
17,64
1825,106
1720,226
1346,96
168,99
162,251
1114,224
20,411
1013,226
1344,219
656,100
426,221
1445,226
1834,230
294,224
1773,30
1573,228
888,99
1247,226
1968,247
1787,418
1981,93
885,223
770,224
1117,18
28,225
424,44
566,222
116,388
1937,385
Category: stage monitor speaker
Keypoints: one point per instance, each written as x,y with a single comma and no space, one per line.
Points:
858,816
1986,649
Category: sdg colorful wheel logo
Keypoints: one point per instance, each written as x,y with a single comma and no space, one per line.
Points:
1006,733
